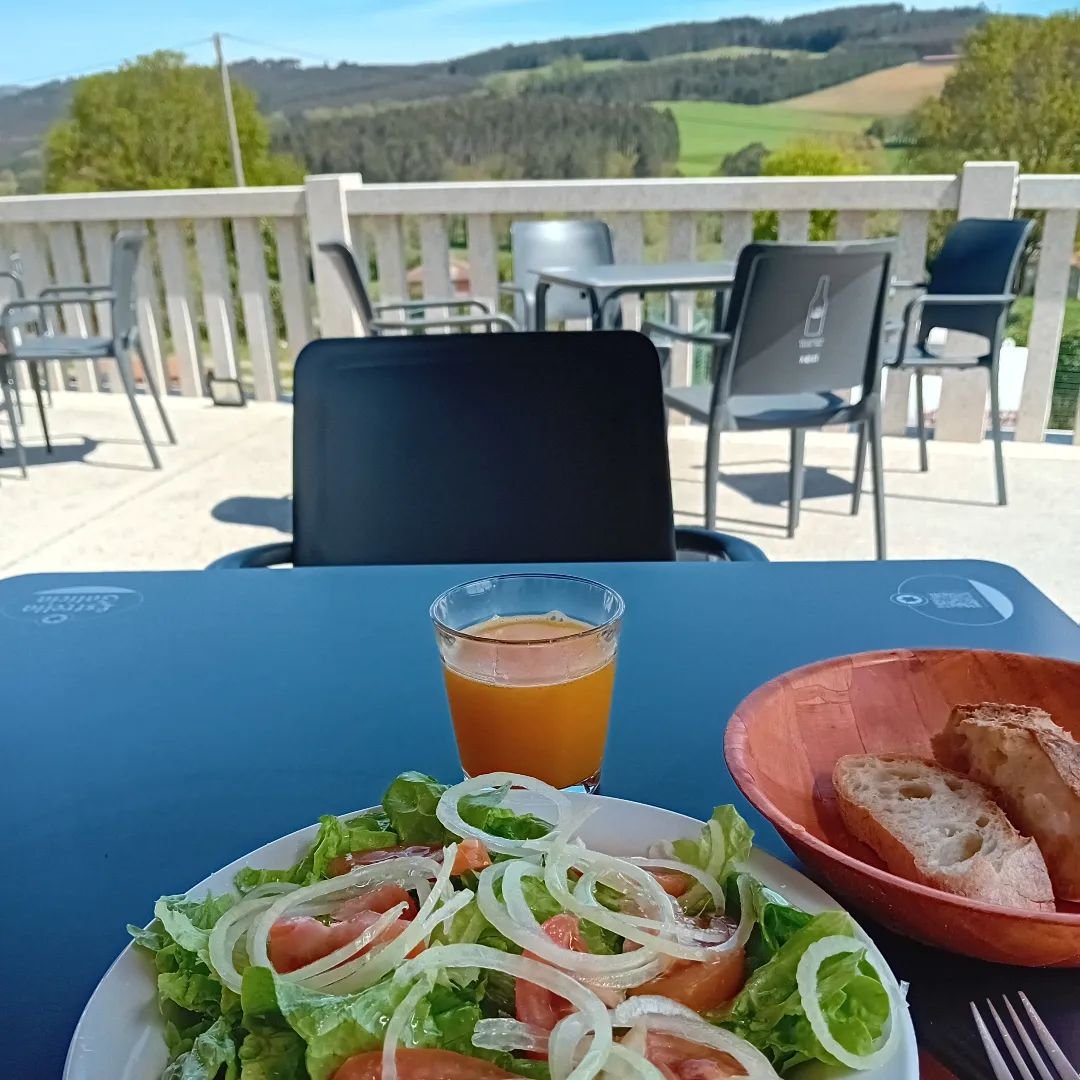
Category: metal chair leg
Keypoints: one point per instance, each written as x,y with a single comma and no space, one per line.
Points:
18,394
9,407
127,377
873,424
920,420
860,469
152,383
795,479
37,379
995,429
712,473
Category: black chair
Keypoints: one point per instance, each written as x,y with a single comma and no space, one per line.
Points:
372,315
971,287
474,448
801,321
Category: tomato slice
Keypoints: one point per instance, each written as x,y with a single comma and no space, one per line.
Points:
471,855
534,1004
681,1059
344,863
381,899
700,984
297,941
672,882
421,1065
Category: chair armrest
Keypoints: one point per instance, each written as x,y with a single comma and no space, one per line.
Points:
29,303
719,545
95,292
508,289
504,321
965,299
275,554
913,310
703,338
419,305
14,275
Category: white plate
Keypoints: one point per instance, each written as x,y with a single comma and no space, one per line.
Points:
118,1036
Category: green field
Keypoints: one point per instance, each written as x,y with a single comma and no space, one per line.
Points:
710,129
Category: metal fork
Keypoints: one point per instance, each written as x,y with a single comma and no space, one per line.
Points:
1052,1051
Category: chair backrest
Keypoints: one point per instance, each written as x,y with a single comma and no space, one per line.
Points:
979,255
536,245
806,318
480,448
341,255
127,244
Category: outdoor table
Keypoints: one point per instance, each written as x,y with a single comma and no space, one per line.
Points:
607,283
156,726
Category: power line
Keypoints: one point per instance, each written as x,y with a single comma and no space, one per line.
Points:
34,83
289,51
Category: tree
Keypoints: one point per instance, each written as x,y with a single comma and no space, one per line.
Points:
158,122
745,162
805,157
1015,96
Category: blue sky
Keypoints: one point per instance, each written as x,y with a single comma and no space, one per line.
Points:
76,36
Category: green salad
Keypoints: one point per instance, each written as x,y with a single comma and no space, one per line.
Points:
444,936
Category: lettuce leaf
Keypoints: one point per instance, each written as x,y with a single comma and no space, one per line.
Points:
190,996
331,1028
768,1010
272,1055
410,803
776,921
365,832
189,922
212,1050
723,844
485,811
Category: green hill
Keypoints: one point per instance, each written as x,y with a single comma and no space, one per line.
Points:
659,54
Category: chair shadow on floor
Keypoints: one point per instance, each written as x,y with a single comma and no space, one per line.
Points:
76,448
771,489
256,510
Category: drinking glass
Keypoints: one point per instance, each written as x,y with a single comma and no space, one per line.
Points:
529,663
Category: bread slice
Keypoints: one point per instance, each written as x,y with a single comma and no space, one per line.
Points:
1034,768
935,827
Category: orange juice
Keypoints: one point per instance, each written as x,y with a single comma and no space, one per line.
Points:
532,697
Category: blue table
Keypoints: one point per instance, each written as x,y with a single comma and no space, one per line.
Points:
157,725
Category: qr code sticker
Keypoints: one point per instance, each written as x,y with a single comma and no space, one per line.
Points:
955,600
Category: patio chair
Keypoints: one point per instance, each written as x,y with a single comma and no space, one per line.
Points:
802,321
470,448
12,402
47,346
372,315
970,289
536,245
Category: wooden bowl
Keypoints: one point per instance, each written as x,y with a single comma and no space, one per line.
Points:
784,739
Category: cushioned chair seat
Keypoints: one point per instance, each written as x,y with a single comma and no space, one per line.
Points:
918,356
750,410
64,348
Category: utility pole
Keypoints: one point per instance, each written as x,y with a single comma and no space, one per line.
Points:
230,115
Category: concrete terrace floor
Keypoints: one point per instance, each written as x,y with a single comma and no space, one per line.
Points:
97,505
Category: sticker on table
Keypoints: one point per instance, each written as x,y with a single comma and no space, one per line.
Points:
959,600
52,607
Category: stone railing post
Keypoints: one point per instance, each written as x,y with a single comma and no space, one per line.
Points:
987,190
328,219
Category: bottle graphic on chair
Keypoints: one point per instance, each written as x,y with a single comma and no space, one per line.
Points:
818,310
